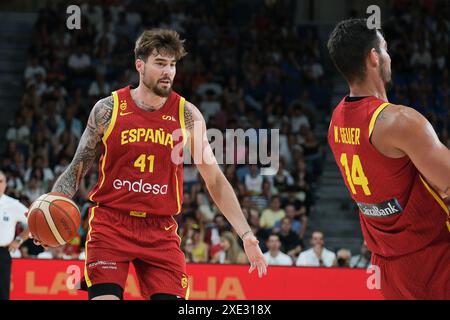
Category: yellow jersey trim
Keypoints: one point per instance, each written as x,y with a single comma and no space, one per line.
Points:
181,116
177,185
105,138
88,238
375,116
435,196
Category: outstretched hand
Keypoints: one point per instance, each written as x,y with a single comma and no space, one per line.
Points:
255,255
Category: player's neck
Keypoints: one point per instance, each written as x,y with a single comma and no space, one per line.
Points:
146,99
367,88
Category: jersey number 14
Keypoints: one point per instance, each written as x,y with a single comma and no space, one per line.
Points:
356,176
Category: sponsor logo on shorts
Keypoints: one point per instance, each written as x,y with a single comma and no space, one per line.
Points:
103,265
383,209
184,281
140,186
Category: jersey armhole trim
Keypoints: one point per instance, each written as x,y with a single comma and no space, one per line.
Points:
375,116
435,196
181,116
113,117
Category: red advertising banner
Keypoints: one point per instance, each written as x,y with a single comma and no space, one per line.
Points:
54,279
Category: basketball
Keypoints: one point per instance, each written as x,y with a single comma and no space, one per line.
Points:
53,219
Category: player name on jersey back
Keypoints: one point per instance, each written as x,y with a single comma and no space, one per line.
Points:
347,135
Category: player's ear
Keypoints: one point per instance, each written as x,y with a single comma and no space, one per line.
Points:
373,58
139,64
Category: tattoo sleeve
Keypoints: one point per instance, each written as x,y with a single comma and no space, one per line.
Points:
188,117
99,119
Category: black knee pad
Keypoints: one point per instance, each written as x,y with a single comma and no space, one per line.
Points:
102,289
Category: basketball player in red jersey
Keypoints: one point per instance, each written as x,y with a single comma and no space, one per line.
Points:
394,167
140,187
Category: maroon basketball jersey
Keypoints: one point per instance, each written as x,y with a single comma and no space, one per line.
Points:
399,212
137,171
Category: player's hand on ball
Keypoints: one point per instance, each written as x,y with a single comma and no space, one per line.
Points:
36,242
255,255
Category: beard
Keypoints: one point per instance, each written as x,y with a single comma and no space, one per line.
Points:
385,74
156,88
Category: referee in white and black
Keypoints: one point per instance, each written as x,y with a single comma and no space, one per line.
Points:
11,212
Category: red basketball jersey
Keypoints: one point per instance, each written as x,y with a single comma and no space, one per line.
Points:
399,212
137,173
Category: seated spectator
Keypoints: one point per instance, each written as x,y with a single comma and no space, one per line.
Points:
198,249
189,207
211,105
290,241
33,69
253,181
262,200
39,164
296,225
274,256
70,122
283,180
53,253
35,186
79,61
249,209
205,209
318,255
19,132
298,118
343,258
362,260
99,88
271,215
230,251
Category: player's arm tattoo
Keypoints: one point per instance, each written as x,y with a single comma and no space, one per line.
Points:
86,152
188,117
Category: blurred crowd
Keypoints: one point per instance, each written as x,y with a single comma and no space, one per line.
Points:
418,35
249,65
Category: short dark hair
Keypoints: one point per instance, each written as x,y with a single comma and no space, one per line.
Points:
162,40
349,44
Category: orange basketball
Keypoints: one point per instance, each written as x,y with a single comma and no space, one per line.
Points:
53,219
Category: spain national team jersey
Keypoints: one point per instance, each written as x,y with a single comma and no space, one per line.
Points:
399,212
141,169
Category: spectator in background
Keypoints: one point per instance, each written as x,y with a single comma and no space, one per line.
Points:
35,187
19,132
33,69
271,215
343,258
197,248
290,241
99,88
274,256
205,209
39,165
318,255
70,122
296,225
282,180
253,181
53,253
79,62
362,260
230,251
298,119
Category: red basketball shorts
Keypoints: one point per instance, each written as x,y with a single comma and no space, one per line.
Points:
151,243
424,274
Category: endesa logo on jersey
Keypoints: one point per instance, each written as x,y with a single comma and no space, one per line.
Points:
140,186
